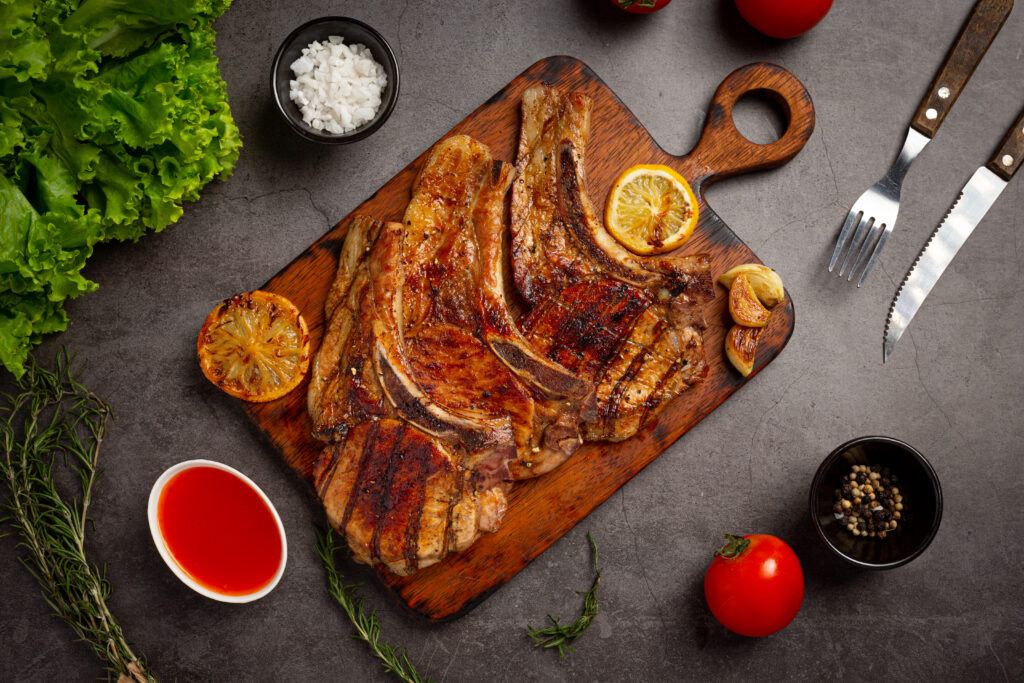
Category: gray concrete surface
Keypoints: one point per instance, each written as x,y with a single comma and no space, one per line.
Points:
953,388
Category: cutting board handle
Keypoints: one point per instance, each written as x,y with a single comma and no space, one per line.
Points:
723,151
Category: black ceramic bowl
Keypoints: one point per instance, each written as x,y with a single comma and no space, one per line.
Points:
353,32
922,498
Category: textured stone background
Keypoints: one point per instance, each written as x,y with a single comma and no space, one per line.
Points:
952,389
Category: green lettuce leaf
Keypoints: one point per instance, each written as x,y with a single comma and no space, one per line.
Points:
112,114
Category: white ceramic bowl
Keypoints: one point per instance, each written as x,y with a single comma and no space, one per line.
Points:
161,546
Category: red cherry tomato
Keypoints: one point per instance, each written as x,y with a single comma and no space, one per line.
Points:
640,6
754,585
783,18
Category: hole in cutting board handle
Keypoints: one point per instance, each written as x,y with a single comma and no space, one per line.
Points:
760,117
722,151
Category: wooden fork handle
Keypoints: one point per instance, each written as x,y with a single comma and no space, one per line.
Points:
1010,154
984,22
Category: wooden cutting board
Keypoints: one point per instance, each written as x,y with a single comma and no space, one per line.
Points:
542,510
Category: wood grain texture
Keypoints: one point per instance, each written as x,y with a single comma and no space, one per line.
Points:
981,27
542,510
1010,155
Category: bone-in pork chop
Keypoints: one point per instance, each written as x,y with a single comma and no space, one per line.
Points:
401,497
628,325
458,186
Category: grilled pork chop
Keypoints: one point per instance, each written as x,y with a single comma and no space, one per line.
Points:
401,497
627,325
458,186
432,396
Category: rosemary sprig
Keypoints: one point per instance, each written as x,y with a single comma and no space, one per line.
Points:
54,416
563,637
394,659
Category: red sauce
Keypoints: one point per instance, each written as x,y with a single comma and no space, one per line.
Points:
219,531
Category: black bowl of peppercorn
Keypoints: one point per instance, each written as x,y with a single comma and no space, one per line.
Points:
876,502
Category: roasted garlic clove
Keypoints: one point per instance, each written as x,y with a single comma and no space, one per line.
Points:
740,343
766,282
744,305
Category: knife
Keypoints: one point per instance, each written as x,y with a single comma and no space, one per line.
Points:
977,197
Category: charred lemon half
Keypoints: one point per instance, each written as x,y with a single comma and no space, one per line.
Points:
651,209
254,346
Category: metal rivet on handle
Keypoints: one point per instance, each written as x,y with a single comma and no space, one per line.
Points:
943,92
931,114
1007,160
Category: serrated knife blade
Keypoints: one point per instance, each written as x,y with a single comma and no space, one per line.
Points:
976,198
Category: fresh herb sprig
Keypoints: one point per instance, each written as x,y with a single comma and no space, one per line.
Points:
55,417
394,659
562,637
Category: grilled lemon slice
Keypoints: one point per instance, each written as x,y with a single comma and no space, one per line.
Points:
651,209
254,346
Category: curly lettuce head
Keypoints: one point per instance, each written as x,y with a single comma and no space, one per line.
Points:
112,114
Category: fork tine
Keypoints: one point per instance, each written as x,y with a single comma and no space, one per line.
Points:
843,234
874,254
857,238
867,244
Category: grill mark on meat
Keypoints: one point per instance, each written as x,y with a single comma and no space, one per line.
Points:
611,407
655,398
459,491
327,473
391,453
553,222
499,328
417,466
366,453
587,335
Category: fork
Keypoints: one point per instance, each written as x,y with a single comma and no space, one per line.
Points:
874,213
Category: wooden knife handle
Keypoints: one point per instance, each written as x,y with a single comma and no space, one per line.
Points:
984,22
1007,159
723,151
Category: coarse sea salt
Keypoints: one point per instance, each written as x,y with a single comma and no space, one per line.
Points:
337,87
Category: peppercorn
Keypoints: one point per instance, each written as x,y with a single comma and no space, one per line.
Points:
867,502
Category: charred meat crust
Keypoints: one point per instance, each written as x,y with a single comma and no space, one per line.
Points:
499,328
634,362
435,396
475,431
343,390
391,470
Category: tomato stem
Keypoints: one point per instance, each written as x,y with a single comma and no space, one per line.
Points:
734,548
